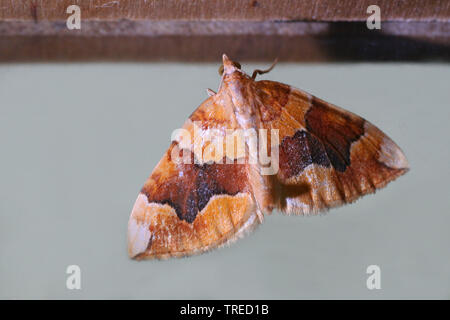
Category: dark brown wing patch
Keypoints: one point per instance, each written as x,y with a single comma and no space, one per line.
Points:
299,151
190,190
337,131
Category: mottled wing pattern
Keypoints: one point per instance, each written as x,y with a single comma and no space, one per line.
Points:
327,156
187,208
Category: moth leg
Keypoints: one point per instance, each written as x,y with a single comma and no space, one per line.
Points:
210,92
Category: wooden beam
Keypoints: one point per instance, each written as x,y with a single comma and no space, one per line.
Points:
311,31
204,10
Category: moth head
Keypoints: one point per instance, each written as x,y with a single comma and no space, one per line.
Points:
228,66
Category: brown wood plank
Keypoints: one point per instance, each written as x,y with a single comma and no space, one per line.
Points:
300,41
182,30
250,10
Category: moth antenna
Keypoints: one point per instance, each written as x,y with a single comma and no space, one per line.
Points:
257,71
210,92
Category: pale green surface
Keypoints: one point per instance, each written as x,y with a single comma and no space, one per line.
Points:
78,141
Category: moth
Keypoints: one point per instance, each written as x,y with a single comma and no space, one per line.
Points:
324,157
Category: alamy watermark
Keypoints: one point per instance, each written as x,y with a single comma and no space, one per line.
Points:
227,146
374,20
73,281
374,280
74,20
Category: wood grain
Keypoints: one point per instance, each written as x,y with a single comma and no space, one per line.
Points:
250,10
308,30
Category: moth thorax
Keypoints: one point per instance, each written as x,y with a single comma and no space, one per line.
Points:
245,117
